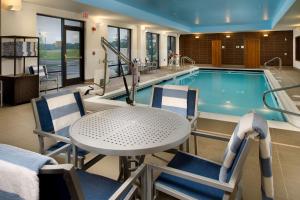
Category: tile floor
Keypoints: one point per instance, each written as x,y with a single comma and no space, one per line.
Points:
17,123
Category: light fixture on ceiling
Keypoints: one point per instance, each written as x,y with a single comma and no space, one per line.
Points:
14,5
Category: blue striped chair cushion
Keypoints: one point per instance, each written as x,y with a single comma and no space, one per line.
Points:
97,187
193,165
44,113
191,100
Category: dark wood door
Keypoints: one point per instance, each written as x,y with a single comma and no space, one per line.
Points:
252,53
216,53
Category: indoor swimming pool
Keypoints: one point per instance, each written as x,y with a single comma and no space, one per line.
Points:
230,92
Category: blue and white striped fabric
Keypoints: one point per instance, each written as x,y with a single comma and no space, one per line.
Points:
252,124
174,98
64,111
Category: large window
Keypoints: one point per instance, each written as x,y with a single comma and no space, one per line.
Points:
61,48
152,47
171,46
49,32
120,38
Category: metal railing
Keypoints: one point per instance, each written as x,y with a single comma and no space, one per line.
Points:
130,95
278,109
276,58
186,58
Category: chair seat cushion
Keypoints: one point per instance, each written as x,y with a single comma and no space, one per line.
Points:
95,187
81,152
189,163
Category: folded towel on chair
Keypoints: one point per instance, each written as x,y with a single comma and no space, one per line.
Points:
19,173
252,124
174,98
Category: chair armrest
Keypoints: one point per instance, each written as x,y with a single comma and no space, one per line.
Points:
129,182
52,135
212,135
227,187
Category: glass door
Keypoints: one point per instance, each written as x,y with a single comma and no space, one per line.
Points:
152,47
73,56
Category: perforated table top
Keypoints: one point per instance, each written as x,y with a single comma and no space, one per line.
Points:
130,131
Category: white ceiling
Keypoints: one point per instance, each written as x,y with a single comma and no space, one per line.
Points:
291,19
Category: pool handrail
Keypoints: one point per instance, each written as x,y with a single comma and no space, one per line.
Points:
278,109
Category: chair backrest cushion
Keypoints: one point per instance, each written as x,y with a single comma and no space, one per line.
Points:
44,115
34,70
192,96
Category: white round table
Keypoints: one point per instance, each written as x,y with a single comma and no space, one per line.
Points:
130,131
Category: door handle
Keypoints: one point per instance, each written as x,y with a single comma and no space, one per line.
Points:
66,57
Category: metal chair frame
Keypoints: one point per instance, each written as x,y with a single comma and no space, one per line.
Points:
229,188
133,185
66,149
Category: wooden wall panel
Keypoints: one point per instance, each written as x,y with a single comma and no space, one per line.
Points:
277,44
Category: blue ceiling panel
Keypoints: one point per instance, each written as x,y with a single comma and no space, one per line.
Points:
202,15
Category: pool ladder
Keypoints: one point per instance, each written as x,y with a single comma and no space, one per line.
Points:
278,109
186,58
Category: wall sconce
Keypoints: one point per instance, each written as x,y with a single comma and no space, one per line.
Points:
14,5
228,36
266,35
197,36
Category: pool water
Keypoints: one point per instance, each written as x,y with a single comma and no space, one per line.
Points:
224,91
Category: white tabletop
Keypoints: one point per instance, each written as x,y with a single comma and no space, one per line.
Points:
130,131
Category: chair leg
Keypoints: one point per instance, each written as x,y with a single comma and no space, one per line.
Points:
195,145
149,172
41,144
68,155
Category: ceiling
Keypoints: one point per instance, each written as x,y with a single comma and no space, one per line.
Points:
291,19
201,15
74,6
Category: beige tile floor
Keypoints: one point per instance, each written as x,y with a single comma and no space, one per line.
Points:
17,123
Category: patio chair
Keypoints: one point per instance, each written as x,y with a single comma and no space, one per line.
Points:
45,127
64,182
150,64
44,76
191,108
141,66
42,178
189,176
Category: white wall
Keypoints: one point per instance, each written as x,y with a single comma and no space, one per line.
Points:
24,23
296,34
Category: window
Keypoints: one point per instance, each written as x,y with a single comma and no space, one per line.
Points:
297,48
152,47
49,32
120,38
171,46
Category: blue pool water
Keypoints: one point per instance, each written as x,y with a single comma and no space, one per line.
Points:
224,92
